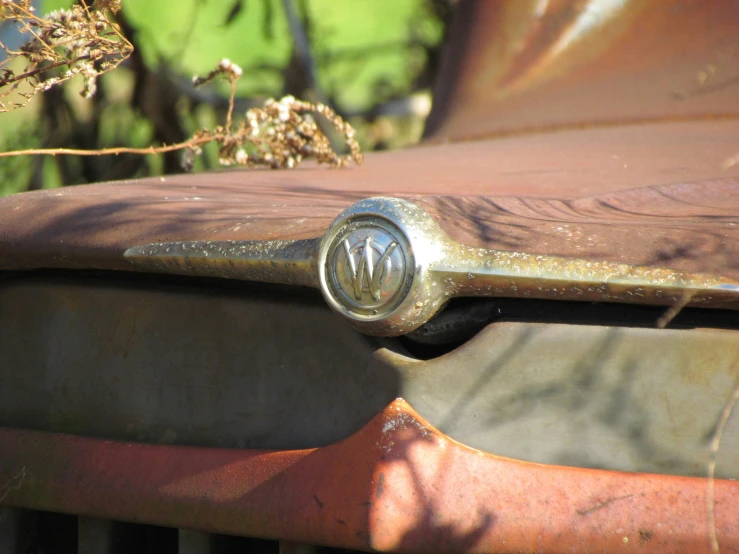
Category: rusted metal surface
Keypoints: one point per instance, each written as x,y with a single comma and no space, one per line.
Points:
396,485
531,65
690,227
91,226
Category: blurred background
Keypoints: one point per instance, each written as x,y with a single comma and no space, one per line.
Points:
373,61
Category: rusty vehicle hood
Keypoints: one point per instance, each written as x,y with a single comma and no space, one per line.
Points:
558,128
649,194
574,131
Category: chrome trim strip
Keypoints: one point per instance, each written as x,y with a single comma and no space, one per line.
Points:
288,262
388,267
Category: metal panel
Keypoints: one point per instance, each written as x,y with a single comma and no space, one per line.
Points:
235,368
513,66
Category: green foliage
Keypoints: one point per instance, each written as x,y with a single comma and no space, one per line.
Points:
366,52
15,173
360,46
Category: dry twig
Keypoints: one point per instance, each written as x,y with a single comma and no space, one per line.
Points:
672,312
278,135
715,443
79,41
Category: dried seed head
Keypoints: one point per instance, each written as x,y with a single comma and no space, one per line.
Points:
241,157
79,40
284,133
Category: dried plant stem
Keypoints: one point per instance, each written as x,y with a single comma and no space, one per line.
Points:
672,312
39,70
687,297
231,101
280,134
715,443
110,151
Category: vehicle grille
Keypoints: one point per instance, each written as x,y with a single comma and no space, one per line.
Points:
34,532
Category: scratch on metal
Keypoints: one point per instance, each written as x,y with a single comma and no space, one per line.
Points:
13,484
602,505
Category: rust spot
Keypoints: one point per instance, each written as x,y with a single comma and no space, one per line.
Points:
644,536
318,501
380,484
602,505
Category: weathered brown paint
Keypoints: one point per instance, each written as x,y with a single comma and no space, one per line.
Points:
640,96
521,188
692,227
396,485
526,65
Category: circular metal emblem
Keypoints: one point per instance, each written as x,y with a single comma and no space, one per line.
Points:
375,266
367,267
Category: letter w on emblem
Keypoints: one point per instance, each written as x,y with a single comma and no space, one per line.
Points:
366,275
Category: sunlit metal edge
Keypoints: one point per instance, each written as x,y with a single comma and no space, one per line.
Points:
443,269
270,261
498,273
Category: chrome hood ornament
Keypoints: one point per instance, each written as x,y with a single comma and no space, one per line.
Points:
388,267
